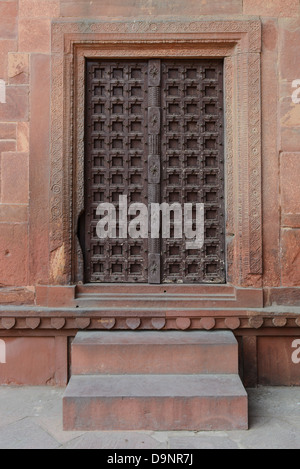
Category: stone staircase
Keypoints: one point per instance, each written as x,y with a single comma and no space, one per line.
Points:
160,381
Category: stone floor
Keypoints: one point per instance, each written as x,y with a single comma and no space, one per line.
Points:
32,418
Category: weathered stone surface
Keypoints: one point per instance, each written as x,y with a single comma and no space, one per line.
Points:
33,323
279,322
8,323
207,323
284,296
274,424
18,68
232,323
275,366
26,434
248,345
16,296
14,178
23,137
158,323
290,188
13,213
8,131
82,323
289,54
202,442
256,322
8,19
289,119
155,402
6,46
280,126
108,323
120,8
13,254
183,323
39,169
114,440
154,352
55,296
290,263
58,323
16,107
133,323
270,167
39,8
7,146
29,360
277,8
34,35
289,57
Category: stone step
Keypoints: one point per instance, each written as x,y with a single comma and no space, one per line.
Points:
146,352
155,402
146,289
134,302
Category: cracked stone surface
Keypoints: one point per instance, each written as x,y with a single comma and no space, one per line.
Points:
31,418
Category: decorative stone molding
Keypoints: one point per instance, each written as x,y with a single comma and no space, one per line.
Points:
68,323
239,43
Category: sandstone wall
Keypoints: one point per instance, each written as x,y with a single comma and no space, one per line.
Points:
24,124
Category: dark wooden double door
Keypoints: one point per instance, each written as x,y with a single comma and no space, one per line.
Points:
154,132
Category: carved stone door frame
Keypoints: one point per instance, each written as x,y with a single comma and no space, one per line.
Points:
239,44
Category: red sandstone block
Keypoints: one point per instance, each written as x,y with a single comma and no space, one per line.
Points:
289,53
290,138
13,213
290,261
14,178
155,403
168,352
18,68
6,46
7,145
283,296
277,8
290,188
23,137
271,209
275,364
289,59
112,290
289,118
270,35
39,8
131,8
16,107
34,35
8,19
55,296
8,131
40,168
13,254
16,296
29,361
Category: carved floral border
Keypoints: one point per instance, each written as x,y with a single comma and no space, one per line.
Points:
239,43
